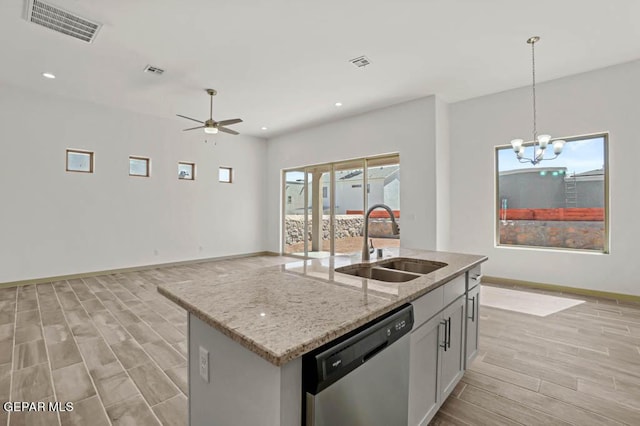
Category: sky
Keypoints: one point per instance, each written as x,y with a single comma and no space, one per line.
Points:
577,156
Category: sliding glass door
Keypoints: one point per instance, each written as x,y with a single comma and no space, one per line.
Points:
324,205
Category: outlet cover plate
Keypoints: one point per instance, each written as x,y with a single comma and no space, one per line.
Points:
203,362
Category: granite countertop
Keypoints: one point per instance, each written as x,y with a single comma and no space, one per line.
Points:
282,312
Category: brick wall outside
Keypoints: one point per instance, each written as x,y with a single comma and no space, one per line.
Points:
587,235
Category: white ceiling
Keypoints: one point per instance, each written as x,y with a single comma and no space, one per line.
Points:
284,63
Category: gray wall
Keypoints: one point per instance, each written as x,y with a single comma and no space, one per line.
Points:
531,191
58,223
412,136
593,102
590,193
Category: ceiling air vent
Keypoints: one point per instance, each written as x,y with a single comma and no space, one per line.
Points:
360,61
153,70
60,20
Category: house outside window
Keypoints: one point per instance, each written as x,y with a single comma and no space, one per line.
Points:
557,204
186,171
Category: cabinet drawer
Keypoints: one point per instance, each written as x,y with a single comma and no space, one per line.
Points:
454,289
427,306
475,276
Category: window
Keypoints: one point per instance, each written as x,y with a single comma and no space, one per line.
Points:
224,174
139,166
559,204
323,205
79,161
186,171
360,186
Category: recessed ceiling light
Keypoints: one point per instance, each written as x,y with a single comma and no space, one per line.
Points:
48,75
264,128
338,104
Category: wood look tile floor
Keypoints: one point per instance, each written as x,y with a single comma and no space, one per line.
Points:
117,349
579,366
110,344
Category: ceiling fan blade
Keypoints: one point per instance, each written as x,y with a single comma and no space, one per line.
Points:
229,122
189,118
193,128
224,129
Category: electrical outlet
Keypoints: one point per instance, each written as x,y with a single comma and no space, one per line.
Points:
204,364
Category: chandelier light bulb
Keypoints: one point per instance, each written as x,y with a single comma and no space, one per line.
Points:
557,146
543,140
516,144
520,152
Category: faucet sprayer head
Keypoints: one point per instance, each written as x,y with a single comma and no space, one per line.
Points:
395,228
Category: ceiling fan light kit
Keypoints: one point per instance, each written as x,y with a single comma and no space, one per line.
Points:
540,142
210,126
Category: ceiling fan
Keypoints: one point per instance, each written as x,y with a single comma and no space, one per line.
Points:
211,126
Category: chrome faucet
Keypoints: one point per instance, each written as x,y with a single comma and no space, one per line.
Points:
394,226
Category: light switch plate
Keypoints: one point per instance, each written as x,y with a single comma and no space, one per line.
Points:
203,362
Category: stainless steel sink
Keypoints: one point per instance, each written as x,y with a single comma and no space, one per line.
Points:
395,270
379,274
416,266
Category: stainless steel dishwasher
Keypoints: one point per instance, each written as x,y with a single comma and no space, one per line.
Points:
362,378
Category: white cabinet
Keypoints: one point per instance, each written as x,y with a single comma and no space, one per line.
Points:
473,316
474,277
424,394
437,350
453,358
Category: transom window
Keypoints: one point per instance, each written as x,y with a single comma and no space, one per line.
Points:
138,166
186,171
79,161
225,174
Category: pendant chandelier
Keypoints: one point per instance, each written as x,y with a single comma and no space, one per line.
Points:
540,142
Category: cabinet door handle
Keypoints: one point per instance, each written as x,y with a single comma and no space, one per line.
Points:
477,277
444,344
472,317
449,332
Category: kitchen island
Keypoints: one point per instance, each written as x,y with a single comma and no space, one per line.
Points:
248,330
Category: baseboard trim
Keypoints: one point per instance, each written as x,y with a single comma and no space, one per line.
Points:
563,289
132,269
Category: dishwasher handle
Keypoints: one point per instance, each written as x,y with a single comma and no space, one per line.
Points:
374,351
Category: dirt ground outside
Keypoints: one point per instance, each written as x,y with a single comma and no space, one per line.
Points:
346,245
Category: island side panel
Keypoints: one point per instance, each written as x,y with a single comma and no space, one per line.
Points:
243,387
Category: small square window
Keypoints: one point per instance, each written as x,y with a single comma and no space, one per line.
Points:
224,174
139,166
79,161
186,171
